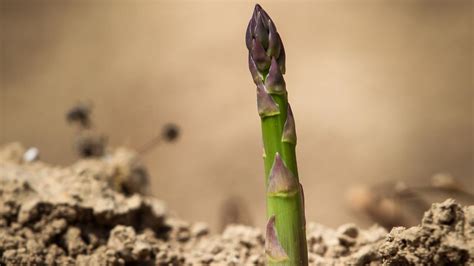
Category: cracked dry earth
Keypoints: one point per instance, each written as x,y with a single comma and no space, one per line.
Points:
52,215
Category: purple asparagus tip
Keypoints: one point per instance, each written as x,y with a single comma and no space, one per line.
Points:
266,51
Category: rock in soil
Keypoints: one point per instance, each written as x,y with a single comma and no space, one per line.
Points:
53,215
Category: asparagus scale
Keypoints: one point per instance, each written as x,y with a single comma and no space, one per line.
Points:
285,233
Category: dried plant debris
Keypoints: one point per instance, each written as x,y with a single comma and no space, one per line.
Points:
53,215
170,133
88,142
80,114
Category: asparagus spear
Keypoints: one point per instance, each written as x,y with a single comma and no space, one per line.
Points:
286,237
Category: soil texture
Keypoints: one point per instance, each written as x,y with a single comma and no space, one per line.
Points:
74,215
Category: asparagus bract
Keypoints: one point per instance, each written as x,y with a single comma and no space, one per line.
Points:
286,236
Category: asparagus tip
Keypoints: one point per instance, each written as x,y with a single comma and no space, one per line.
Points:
266,51
273,248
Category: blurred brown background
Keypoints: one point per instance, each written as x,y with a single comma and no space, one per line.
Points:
381,90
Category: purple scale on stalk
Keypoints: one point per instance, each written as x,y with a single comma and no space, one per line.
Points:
289,129
281,58
275,83
265,103
274,44
273,248
257,78
259,56
281,179
261,32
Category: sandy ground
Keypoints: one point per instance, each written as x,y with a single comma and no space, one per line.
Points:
381,90
52,215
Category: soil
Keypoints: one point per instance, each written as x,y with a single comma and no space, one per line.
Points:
74,215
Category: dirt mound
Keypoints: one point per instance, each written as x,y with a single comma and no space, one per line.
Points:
71,216
445,237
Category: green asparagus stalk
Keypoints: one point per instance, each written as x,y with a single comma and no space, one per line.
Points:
285,233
